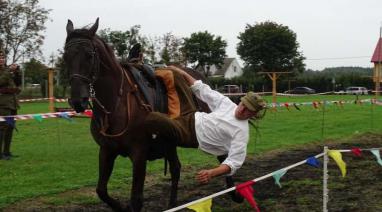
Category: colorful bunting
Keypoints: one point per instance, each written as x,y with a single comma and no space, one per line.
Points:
337,156
356,151
10,121
277,175
37,117
246,191
286,106
204,206
297,108
88,113
315,105
377,155
66,116
312,161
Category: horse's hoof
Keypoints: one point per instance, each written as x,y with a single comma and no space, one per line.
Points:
236,197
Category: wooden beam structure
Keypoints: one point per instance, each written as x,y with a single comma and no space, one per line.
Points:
274,75
50,89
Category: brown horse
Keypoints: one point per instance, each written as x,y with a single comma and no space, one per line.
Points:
119,110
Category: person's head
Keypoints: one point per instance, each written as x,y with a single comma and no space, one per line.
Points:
2,58
250,106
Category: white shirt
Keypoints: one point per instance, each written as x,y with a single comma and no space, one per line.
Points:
220,132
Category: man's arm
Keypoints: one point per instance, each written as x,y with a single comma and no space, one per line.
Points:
190,80
204,176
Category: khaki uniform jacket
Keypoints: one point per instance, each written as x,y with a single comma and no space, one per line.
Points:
8,89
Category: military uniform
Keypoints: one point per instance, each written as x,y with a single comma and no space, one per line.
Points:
8,107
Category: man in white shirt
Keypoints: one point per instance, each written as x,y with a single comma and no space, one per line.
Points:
225,130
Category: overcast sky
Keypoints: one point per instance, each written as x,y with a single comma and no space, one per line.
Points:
330,32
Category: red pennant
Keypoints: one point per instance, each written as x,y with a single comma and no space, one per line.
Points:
88,113
315,105
287,106
246,191
356,151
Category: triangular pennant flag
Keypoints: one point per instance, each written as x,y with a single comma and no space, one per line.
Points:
37,117
287,106
312,161
65,115
88,113
297,108
204,206
337,156
356,151
277,175
377,155
10,121
315,105
246,191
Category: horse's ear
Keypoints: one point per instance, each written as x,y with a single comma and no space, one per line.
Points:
94,28
69,27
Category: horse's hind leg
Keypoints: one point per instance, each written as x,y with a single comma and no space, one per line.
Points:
106,164
175,166
230,183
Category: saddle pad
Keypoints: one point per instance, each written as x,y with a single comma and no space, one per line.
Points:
172,96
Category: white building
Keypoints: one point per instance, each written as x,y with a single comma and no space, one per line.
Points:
231,68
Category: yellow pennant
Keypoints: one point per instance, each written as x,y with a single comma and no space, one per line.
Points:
336,155
204,206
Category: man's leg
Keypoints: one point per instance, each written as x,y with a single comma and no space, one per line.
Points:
230,183
7,141
7,134
1,140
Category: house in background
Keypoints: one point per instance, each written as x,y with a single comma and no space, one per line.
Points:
230,68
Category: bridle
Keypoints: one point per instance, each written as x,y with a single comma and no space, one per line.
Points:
91,79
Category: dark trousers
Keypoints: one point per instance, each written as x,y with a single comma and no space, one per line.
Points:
6,132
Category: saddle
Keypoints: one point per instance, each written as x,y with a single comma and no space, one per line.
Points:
158,88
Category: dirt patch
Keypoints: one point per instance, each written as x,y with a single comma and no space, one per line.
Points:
301,187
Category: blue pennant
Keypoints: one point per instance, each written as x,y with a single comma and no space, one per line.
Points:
312,161
10,121
65,116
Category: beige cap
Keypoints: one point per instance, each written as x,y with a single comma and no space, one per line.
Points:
253,101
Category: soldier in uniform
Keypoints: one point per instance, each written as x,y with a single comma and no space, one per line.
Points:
10,79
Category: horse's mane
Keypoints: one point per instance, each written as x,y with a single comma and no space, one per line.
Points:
103,48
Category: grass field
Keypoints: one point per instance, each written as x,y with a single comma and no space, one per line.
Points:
56,155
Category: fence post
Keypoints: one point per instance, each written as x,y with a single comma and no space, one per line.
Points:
325,181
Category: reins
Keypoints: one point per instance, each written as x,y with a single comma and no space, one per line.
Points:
133,90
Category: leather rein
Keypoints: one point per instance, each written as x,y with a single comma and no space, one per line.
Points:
93,75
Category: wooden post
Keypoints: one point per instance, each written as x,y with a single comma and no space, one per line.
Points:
274,75
50,89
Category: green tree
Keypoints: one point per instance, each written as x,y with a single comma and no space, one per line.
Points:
62,73
21,27
170,49
122,41
204,49
35,72
269,46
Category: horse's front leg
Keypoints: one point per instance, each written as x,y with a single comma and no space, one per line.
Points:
106,164
139,174
230,183
175,166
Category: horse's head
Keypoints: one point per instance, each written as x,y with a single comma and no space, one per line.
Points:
82,61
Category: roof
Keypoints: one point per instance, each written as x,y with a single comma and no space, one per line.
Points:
227,62
377,55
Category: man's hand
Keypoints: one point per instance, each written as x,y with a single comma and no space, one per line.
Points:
190,80
13,67
204,176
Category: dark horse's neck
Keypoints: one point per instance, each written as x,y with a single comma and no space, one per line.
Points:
110,80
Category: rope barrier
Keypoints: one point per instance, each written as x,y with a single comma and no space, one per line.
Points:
257,180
